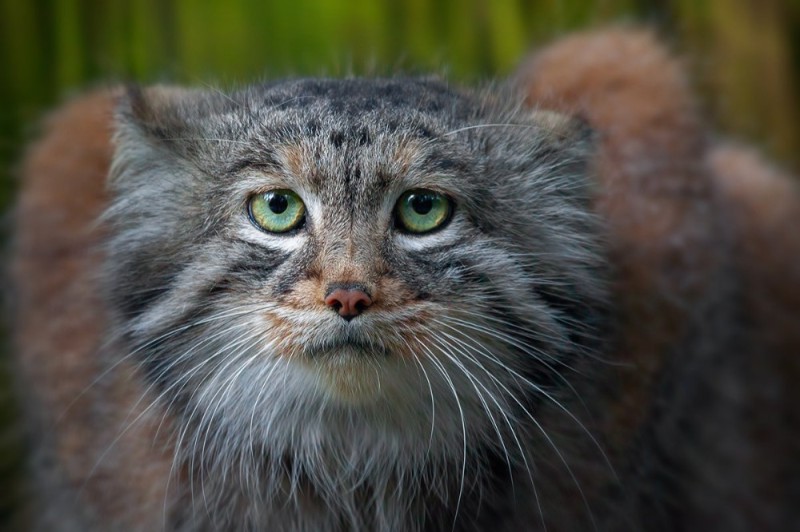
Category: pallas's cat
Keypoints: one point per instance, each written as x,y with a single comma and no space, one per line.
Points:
394,304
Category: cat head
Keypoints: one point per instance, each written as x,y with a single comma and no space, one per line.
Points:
393,262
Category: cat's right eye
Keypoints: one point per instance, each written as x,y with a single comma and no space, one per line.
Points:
277,211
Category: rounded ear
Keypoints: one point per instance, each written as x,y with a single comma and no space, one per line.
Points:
559,128
150,107
164,111
157,127
162,123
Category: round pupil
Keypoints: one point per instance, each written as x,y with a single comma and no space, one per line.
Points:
421,203
277,203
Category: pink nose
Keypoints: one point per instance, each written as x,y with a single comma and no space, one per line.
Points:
348,302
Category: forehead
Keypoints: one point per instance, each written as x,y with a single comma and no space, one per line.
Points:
356,135
361,98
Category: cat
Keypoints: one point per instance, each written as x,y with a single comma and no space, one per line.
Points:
555,303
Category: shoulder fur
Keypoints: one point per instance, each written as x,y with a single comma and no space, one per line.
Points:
60,329
708,295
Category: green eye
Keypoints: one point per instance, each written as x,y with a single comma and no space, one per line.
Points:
421,211
277,211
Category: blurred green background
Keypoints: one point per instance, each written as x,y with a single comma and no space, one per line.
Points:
744,56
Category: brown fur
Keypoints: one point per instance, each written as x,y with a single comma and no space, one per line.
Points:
696,231
60,324
703,238
653,186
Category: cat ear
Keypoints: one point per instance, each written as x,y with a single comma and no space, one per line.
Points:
165,125
563,130
160,112
567,141
158,127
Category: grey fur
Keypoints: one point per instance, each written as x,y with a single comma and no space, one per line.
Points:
513,290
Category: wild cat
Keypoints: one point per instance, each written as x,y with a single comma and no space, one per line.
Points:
395,304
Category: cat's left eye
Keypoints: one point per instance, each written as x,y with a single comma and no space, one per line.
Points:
421,211
277,211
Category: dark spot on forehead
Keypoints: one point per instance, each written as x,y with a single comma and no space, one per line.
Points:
370,103
382,179
337,106
357,96
312,127
356,135
353,172
433,106
336,138
364,138
423,132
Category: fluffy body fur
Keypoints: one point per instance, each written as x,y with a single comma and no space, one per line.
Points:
601,337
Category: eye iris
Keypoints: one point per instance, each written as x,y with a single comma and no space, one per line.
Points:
277,211
422,211
278,203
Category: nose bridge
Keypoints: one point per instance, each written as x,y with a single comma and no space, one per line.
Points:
348,260
350,244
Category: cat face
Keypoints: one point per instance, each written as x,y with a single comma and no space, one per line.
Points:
338,261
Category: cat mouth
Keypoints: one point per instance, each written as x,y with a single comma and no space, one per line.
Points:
346,348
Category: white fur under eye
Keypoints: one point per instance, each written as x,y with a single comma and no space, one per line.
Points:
417,242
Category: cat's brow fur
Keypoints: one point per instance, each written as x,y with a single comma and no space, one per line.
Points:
584,344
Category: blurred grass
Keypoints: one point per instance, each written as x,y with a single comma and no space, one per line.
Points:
745,57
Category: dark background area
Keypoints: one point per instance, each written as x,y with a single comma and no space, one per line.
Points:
744,56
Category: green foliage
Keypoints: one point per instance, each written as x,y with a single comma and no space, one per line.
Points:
52,46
